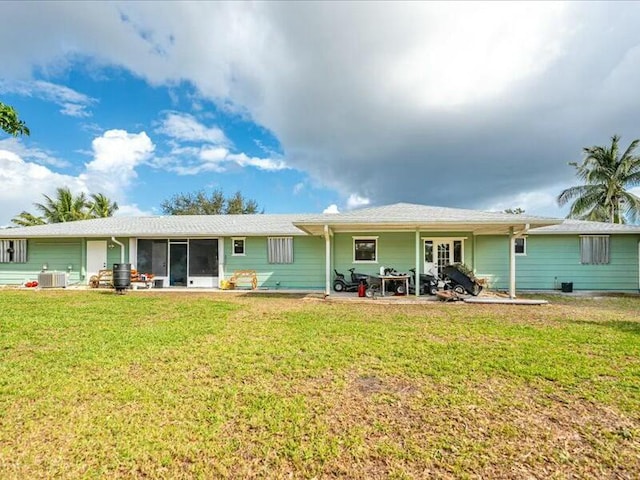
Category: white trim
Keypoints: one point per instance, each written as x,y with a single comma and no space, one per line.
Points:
244,246
523,254
512,264
133,252
353,248
220,261
416,280
444,240
327,260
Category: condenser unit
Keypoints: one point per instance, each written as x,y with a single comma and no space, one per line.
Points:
52,280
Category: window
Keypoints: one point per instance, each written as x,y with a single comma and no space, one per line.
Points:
237,246
152,257
203,258
594,250
365,249
13,251
457,251
280,249
520,246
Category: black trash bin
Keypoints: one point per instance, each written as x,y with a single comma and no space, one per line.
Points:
121,276
566,287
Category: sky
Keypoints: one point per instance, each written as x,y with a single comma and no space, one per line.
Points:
312,107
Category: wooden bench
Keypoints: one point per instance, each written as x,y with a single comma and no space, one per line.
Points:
242,276
104,278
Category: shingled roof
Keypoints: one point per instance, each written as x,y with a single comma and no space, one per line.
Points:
388,217
165,226
570,226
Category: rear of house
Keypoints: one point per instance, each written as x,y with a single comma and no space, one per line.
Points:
302,251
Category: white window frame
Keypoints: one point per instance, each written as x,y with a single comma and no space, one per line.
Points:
285,242
20,250
433,241
355,239
524,245
233,246
608,249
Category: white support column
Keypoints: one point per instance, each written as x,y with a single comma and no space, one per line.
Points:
417,278
327,253
512,264
221,260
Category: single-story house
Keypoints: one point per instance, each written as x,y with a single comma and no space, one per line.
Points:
301,251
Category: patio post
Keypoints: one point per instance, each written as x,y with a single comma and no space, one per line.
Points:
417,279
512,264
327,262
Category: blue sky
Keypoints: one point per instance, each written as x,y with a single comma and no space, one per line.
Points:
312,106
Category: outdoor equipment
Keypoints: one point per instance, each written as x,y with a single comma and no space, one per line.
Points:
341,284
460,282
428,283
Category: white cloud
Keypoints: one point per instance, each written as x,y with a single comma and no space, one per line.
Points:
131,210
116,155
535,202
185,128
37,155
298,187
333,208
73,103
269,164
442,103
356,201
211,155
23,183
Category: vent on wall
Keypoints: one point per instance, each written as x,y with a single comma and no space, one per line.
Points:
52,280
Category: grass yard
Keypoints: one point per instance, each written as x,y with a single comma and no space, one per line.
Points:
167,385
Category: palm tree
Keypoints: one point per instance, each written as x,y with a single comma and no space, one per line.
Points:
101,206
607,176
65,207
26,219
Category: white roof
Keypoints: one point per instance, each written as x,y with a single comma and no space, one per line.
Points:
398,216
410,212
570,226
165,226
411,216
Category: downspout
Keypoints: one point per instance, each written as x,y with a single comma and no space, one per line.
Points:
327,267
113,239
512,258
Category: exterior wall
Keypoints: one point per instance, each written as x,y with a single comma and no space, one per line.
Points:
306,271
58,254
553,259
395,250
113,254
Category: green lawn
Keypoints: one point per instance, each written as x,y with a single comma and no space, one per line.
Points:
166,385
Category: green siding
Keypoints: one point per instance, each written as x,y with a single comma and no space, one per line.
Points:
306,271
58,254
553,259
113,254
395,249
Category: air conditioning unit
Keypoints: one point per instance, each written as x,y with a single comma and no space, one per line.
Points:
52,280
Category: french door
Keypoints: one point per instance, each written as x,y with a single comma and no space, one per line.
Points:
438,253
